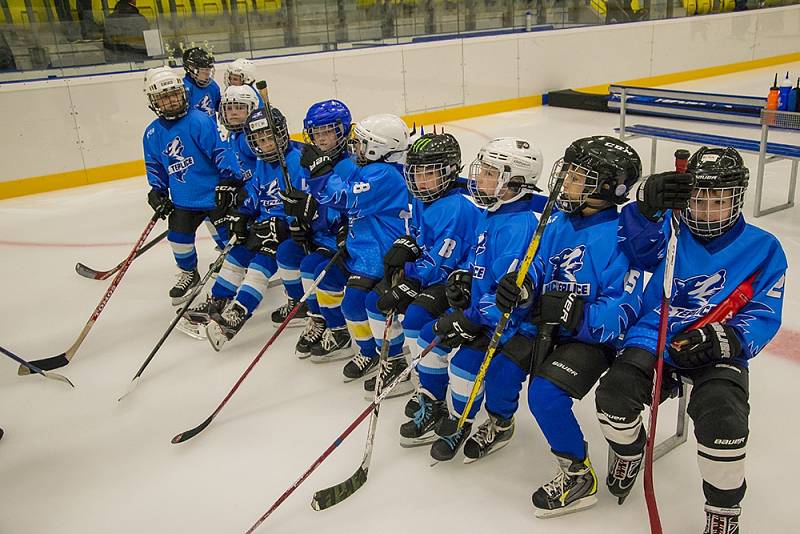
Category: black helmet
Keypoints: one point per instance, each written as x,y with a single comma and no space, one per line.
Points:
436,159
197,58
721,178
256,126
610,168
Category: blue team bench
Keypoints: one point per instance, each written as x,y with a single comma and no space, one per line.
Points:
715,108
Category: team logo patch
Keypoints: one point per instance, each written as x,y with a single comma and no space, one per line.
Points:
177,162
692,296
565,264
205,106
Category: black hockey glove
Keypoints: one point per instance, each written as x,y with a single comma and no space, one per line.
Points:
508,296
301,234
562,308
299,204
237,224
265,236
160,203
226,192
459,289
317,163
399,297
701,346
663,191
403,250
455,329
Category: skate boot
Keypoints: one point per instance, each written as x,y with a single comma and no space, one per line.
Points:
360,367
491,436
187,281
420,429
412,405
722,520
222,329
312,334
450,439
194,320
335,345
299,319
622,475
574,488
391,370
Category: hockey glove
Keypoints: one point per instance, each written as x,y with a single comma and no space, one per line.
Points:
160,203
316,161
459,289
265,236
238,226
302,235
403,250
702,346
226,192
399,297
299,204
455,329
508,296
663,191
562,308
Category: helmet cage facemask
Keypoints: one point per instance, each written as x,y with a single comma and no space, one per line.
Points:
156,100
442,175
339,130
259,130
225,107
722,208
571,202
505,183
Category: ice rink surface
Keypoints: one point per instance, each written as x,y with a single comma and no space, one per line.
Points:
78,461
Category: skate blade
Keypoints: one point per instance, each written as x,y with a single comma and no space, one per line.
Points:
294,323
179,301
400,390
580,504
468,460
370,374
215,336
193,330
302,355
341,354
410,443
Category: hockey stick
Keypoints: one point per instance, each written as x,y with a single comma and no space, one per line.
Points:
521,273
189,434
355,483
196,291
33,369
325,498
88,272
54,362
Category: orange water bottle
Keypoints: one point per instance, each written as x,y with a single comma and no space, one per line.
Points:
774,95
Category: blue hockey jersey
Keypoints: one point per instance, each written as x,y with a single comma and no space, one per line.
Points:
503,239
580,255
263,201
445,232
327,220
376,202
187,158
706,272
206,99
244,155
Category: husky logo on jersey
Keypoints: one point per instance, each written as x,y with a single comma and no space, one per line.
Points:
692,295
270,198
205,106
565,264
177,162
246,173
478,271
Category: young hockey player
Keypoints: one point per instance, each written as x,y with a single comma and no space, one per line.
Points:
259,222
375,201
443,222
327,126
240,71
581,282
201,88
502,179
185,160
717,251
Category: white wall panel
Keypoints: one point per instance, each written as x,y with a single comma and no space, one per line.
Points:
490,69
433,76
778,32
371,81
38,135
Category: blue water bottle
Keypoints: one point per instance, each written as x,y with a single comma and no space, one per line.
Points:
783,93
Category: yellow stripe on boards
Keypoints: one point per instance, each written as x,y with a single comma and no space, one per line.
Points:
129,169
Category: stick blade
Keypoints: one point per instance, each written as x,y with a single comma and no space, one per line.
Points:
325,498
88,272
189,434
130,389
45,364
59,377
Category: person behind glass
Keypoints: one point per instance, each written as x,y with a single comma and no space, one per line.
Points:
122,35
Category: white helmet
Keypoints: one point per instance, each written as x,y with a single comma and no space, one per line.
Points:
244,68
234,98
382,137
160,84
504,164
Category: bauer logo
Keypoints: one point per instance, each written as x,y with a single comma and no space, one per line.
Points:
692,296
177,162
565,264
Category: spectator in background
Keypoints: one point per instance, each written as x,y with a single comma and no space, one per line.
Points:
122,37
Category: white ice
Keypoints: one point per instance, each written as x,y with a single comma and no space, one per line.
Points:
77,461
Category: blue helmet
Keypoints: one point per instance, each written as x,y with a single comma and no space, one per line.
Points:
256,128
328,116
